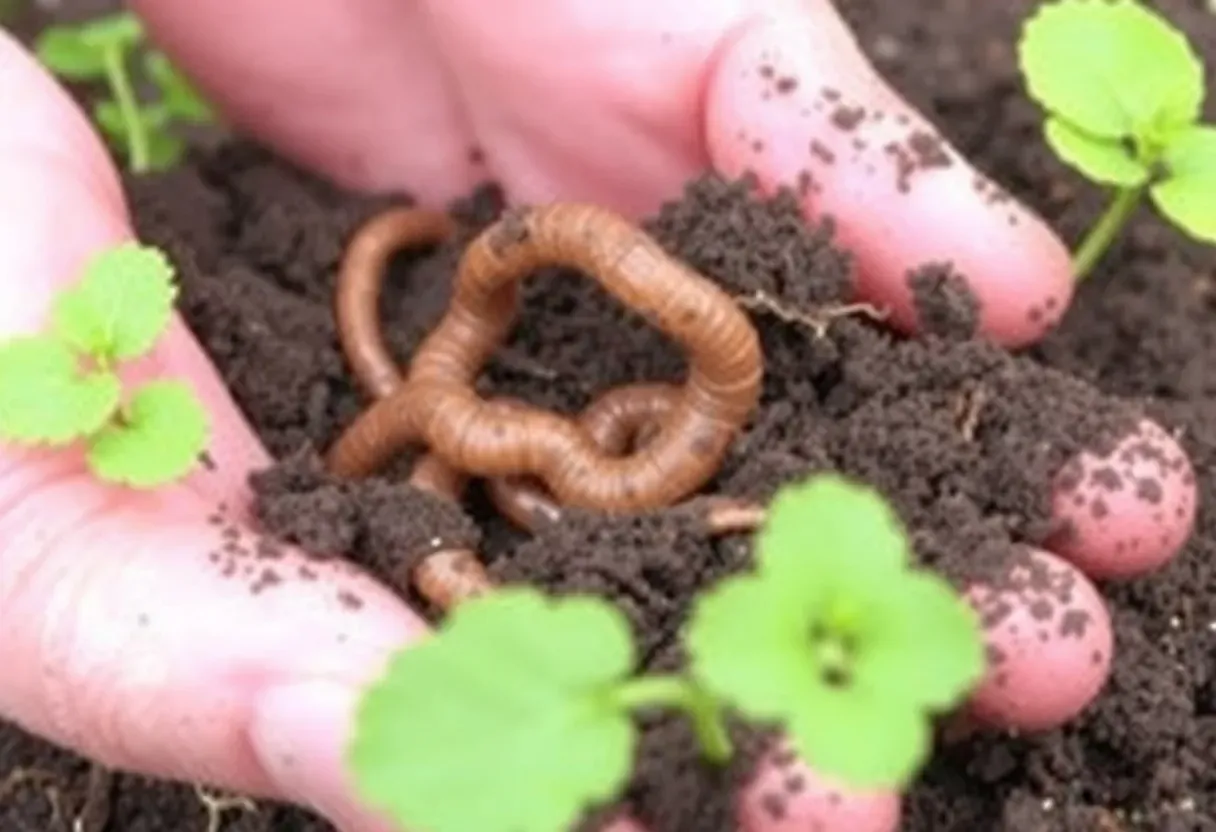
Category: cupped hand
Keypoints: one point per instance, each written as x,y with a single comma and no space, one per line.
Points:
120,637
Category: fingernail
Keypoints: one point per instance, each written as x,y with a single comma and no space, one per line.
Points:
299,734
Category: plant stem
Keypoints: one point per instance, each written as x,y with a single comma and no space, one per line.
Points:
1100,236
680,693
128,106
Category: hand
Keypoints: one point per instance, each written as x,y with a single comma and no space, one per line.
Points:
120,638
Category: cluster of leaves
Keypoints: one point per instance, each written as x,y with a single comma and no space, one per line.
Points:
62,386
1123,90
104,49
518,713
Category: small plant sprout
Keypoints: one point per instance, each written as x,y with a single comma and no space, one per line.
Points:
1123,92
518,713
62,386
103,49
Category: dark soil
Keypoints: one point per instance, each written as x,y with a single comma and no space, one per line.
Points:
963,437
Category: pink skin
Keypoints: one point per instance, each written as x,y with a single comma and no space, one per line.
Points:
786,796
121,638
1049,643
803,83
1138,502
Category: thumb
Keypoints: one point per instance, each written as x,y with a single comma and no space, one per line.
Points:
153,631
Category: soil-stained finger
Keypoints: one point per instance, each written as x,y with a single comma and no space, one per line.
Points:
1049,641
1130,511
802,104
786,796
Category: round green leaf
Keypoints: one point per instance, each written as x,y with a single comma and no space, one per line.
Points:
921,643
160,438
747,643
121,306
503,721
1188,195
1104,161
44,397
868,742
828,521
66,52
1113,68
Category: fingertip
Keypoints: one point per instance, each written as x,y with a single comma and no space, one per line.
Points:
801,105
787,796
1129,511
1049,644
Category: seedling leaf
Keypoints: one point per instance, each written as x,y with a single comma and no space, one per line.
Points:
109,118
44,396
828,517
926,637
120,30
121,306
503,721
160,437
1188,194
178,96
68,53
164,149
1111,67
843,644
1104,161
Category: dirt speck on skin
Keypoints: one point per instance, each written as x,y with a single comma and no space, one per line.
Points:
946,307
848,118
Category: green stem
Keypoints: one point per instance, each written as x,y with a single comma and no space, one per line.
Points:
128,106
1100,236
677,692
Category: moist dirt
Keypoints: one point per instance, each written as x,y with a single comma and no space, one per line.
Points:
963,437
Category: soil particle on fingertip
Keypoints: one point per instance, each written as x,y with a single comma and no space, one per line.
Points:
945,305
848,118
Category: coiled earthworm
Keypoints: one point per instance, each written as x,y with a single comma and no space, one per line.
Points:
437,405
360,278
620,418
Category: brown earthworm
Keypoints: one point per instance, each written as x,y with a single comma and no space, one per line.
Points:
360,278
618,419
446,577
615,421
449,575
437,405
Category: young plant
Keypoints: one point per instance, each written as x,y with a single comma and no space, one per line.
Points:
103,49
62,386
1123,92
518,714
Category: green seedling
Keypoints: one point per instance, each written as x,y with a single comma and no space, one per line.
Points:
519,713
1123,91
104,49
62,386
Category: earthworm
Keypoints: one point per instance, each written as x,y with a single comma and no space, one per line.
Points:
437,405
360,278
447,576
622,417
